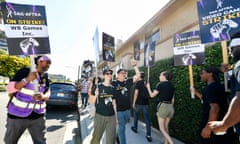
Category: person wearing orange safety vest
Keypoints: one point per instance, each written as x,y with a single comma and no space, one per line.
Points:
26,107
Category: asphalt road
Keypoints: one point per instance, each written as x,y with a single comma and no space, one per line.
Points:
62,124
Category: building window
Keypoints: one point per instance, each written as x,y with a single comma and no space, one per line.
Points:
142,44
156,35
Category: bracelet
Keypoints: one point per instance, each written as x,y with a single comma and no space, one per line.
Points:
24,81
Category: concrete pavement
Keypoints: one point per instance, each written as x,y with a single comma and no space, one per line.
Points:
67,139
86,124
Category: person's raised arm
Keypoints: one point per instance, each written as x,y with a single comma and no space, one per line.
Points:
151,93
134,64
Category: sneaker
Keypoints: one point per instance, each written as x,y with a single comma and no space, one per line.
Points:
134,129
149,138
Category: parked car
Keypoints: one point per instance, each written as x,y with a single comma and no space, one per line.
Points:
63,94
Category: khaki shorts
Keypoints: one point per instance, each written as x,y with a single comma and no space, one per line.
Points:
165,110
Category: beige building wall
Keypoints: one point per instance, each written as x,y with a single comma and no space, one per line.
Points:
177,16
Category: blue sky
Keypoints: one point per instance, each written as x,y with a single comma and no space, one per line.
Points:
72,23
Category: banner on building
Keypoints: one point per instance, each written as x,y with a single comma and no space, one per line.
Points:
108,47
136,50
188,49
218,19
149,53
25,28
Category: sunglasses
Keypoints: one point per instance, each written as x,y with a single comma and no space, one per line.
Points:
108,73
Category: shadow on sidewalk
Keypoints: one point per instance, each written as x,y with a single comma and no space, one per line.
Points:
86,122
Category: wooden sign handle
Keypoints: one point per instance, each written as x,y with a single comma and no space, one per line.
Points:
191,80
225,61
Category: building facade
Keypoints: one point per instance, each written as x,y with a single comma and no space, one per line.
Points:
3,41
178,16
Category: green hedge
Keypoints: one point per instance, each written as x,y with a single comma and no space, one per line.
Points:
185,122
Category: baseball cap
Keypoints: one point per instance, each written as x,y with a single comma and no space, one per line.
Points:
121,69
41,58
234,42
44,58
107,70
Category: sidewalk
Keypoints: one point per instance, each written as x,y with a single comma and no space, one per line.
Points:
86,124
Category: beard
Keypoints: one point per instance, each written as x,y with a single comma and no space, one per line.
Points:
44,69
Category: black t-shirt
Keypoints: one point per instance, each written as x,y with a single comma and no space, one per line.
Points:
104,104
166,91
23,73
143,95
122,94
213,93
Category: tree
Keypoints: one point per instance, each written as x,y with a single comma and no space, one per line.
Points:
9,65
2,52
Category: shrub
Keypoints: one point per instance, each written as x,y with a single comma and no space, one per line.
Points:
185,122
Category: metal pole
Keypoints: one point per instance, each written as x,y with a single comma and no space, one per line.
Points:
78,80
